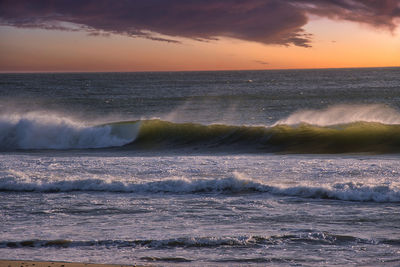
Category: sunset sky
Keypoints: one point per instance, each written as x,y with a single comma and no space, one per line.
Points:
161,35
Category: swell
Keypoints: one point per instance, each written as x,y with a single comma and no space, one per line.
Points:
372,128
231,185
356,137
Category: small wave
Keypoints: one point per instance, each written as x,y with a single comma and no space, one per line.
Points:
174,185
166,259
230,185
36,130
316,238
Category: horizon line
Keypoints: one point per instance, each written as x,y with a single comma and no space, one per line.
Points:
200,70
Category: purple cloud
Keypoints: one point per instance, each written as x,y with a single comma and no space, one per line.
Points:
377,13
264,21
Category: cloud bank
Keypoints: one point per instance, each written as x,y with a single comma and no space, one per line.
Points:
277,22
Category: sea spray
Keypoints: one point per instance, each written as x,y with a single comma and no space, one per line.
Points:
344,114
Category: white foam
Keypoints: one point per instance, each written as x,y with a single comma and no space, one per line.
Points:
37,130
236,184
342,114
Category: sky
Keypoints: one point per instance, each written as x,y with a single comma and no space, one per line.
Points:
184,35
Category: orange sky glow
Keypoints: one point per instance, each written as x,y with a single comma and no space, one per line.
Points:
334,44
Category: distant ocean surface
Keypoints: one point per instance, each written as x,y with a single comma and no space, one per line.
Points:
235,168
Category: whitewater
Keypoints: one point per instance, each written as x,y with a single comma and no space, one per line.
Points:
296,168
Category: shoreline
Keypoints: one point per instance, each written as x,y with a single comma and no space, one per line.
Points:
29,263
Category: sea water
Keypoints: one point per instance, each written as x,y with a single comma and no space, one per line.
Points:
283,168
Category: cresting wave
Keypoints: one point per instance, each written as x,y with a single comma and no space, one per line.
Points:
339,129
232,185
354,137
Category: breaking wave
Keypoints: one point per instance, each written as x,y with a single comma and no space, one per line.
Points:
43,131
338,129
231,185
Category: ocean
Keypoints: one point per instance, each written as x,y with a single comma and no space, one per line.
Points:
224,168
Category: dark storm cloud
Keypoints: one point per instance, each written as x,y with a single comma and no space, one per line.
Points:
265,21
377,13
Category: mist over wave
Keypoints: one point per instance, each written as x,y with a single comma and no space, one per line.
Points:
237,184
39,130
344,114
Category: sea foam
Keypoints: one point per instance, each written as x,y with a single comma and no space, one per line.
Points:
236,184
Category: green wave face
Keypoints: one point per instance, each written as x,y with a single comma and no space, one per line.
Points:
347,138
162,134
128,130
358,137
